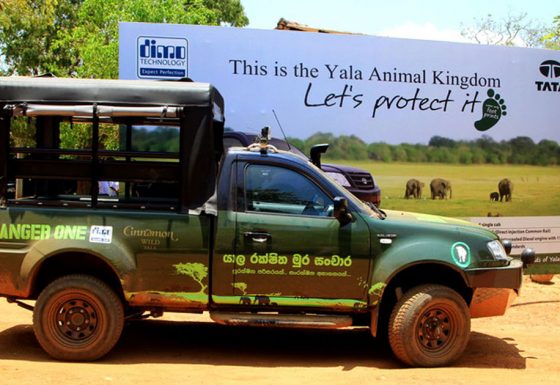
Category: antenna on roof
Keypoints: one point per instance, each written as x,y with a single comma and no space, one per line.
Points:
281,129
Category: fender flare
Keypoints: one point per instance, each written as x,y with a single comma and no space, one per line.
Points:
116,256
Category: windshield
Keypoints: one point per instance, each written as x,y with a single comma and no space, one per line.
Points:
342,191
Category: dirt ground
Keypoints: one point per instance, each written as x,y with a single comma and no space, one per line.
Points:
522,347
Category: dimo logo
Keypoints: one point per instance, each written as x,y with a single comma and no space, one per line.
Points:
162,57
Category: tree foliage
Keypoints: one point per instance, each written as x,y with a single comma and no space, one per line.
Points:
163,139
80,37
341,147
484,150
552,38
230,12
519,150
30,35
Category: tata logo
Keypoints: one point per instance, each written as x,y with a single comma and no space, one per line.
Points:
551,70
162,57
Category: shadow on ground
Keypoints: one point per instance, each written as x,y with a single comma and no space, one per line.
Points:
205,343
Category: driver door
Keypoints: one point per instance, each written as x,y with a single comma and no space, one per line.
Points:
294,252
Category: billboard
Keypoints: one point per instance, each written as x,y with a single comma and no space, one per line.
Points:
377,88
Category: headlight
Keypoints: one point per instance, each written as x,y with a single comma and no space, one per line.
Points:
497,250
339,178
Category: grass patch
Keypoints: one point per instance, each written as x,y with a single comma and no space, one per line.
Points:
536,190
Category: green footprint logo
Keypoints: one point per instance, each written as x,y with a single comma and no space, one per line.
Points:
493,109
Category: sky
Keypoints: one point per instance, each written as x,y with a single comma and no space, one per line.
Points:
427,19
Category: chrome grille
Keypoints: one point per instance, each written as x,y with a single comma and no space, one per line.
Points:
363,181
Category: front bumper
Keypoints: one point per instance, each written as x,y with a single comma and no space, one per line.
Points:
490,302
494,289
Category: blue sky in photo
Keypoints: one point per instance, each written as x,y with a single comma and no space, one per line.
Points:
429,19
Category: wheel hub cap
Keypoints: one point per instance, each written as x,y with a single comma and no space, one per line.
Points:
434,329
77,319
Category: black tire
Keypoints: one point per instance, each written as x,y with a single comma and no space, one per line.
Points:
429,326
78,318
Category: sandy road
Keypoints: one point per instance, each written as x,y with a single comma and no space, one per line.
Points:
522,347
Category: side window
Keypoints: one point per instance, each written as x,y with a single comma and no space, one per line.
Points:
273,189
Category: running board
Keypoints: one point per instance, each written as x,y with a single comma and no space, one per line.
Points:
282,320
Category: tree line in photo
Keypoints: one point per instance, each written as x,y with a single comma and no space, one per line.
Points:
484,150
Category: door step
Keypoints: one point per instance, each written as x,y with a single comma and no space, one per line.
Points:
314,321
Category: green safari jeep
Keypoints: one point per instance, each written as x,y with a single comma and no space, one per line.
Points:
254,236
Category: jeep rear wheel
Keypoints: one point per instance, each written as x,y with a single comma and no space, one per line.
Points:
429,326
78,318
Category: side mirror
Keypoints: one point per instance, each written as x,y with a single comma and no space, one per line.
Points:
341,211
315,153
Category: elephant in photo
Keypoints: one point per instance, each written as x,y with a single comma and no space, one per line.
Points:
505,187
440,187
413,189
245,300
262,300
494,196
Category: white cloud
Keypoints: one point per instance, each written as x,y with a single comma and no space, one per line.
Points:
426,31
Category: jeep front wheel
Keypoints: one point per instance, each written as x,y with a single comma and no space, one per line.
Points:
429,326
78,318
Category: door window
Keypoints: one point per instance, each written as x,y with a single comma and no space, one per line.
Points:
273,189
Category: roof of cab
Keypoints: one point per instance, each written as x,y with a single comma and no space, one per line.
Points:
122,92
244,152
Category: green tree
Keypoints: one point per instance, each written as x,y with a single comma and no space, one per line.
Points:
80,37
30,35
465,154
548,153
230,12
380,151
299,143
523,150
399,153
415,152
551,39
319,138
440,141
96,32
348,147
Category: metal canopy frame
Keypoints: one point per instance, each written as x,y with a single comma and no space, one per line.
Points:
196,108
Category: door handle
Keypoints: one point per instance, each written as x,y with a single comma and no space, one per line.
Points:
258,237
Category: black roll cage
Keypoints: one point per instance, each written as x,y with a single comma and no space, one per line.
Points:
195,108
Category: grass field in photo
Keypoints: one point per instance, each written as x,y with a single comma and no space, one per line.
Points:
536,190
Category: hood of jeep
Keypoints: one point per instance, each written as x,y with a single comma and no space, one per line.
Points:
428,219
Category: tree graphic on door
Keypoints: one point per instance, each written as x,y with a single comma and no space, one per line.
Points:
196,271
